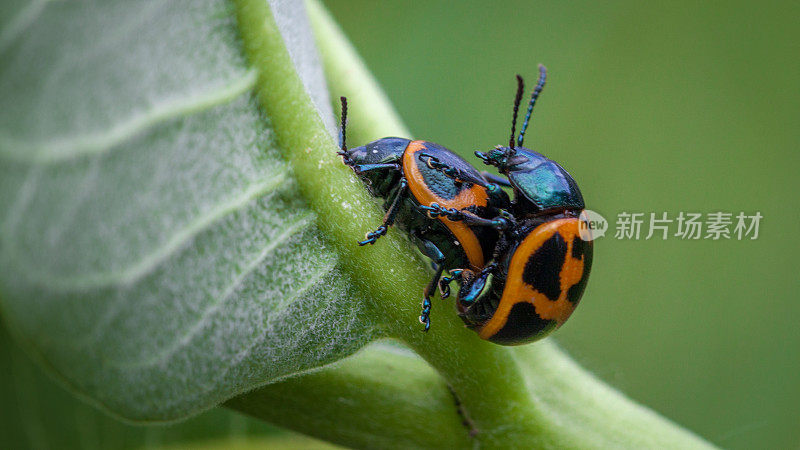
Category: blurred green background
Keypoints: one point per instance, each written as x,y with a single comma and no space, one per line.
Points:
683,106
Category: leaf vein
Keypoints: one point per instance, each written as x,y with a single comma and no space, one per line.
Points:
242,354
66,148
296,228
22,21
149,262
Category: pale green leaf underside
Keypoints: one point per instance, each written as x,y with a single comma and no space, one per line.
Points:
153,249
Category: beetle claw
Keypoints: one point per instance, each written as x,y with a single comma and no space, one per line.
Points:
424,318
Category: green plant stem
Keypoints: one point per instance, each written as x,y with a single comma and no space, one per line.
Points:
505,390
363,401
531,397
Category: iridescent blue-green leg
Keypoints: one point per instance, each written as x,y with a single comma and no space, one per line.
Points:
502,222
434,163
477,285
444,283
498,198
388,219
431,251
361,168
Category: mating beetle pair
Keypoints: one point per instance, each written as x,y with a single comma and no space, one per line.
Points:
521,265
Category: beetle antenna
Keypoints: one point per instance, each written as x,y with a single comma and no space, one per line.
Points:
517,100
343,129
536,91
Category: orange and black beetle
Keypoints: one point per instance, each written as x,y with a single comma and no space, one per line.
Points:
522,265
422,181
541,264
533,286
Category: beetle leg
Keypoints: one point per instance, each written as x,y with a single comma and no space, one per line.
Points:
388,219
496,179
444,283
470,293
434,163
502,222
435,210
360,168
431,251
498,198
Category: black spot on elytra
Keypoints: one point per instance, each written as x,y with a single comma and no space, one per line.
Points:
578,245
523,325
543,269
575,292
